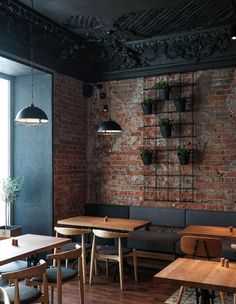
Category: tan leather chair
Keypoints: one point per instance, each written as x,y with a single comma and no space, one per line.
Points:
18,294
200,247
58,276
111,253
70,232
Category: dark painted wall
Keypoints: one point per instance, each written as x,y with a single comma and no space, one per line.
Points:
32,158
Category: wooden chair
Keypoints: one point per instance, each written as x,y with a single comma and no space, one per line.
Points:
18,294
58,276
66,231
111,253
200,247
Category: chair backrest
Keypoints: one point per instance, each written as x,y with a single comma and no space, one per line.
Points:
66,255
4,296
67,231
204,247
38,270
109,234
27,273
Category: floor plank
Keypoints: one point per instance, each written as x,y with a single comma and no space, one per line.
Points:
106,291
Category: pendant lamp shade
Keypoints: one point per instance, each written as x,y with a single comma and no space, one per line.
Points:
109,127
31,116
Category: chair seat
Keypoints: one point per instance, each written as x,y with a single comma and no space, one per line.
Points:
71,246
13,266
27,294
66,274
112,250
4,283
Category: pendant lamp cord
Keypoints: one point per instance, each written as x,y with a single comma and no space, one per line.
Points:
32,54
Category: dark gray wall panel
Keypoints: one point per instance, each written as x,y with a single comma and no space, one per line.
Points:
33,158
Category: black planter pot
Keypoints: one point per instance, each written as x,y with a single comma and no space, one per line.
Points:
147,108
166,130
146,158
184,158
180,104
164,93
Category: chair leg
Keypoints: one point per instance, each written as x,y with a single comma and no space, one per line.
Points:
95,266
83,258
222,296
135,265
92,261
181,293
81,282
52,294
107,267
234,298
121,271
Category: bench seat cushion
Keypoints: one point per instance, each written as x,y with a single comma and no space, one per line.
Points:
153,241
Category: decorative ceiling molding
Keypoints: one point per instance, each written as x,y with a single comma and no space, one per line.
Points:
115,55
103,52
46,32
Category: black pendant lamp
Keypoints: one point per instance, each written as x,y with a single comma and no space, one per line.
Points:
31,115
108,127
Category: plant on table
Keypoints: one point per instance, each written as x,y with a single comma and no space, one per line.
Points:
11,188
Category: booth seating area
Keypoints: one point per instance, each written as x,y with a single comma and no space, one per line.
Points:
161,240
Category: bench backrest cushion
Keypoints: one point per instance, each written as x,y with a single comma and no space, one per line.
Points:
165,217
120,211
210,218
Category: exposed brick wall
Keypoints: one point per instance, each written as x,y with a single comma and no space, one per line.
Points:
115,170
69,147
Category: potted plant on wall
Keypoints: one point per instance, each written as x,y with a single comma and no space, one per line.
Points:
11,188
183,155
165,125
180,102
146,105
146,155
164,90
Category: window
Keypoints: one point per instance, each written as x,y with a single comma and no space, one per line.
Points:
4,137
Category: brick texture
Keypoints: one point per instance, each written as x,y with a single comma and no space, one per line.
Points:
69,147
115,170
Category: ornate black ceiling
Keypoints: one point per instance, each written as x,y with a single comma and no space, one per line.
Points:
118,39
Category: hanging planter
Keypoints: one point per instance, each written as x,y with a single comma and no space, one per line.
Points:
146,156
180,103
165,125
164,90
146,105
183,155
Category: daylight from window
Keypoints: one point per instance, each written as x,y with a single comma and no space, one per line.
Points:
4,138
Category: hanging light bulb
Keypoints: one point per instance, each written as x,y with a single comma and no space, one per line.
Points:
31,115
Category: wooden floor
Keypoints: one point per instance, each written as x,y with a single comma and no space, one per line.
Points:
106,291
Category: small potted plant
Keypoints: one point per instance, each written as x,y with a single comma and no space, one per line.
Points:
164,90
183,155
146,155
165,125
11,188
146,105
180,102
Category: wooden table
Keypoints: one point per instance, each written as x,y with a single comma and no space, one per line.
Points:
28,245
100,222
200,274
210,231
